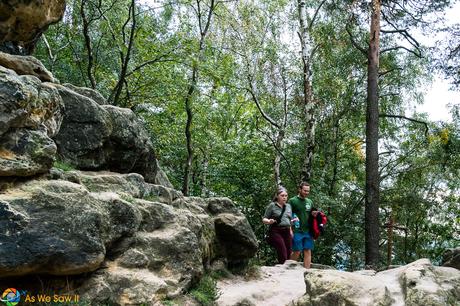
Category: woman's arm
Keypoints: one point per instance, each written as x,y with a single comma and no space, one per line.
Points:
268,221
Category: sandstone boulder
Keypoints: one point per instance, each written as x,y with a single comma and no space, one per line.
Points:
25,102
58,227
136,242
30,115
87,92
418,283
25,152
22,22
39,119
236,238
95,137
26,65
451,258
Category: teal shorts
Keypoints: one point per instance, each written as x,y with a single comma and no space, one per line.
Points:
302,241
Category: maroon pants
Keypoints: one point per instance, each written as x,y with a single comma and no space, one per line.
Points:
280,238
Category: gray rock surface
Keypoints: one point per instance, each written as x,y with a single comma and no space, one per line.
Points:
26,102
418,283
269,286
30,115
95,137
451,258
87,92
228,227
41,122
25,152
59,227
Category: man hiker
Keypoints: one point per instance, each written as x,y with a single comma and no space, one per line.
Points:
302,240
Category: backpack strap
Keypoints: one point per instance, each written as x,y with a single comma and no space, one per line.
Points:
278,219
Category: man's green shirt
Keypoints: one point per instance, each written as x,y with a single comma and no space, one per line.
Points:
301,207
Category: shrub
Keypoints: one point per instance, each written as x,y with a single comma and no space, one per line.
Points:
63,166
206,291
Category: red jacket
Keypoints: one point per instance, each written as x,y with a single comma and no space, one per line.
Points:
316,225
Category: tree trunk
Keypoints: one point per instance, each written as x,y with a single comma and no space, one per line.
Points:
372,136
308,102
204,177
190,91
390,239
335,166
188,131
89,48
405,241
116,92
277,161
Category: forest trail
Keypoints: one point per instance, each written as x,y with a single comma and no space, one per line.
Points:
275,286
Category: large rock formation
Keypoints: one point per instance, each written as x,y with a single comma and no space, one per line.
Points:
267,286
41,122
139,242
30,115
451,258
26,65
418,283
23,21
98,137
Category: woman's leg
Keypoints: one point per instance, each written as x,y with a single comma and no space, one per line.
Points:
287,238
277,241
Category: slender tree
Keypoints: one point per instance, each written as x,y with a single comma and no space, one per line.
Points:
204,21
308,102
372,229
88,43
125,58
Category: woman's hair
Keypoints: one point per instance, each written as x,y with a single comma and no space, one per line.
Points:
279,190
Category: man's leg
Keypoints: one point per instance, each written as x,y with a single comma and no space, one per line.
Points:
295,255
307,259
296,246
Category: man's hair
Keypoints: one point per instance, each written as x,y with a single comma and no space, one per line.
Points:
302,184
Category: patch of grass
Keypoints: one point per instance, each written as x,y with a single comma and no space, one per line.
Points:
220,274
168,303
206,291
63,166
126,197
252,271
152,198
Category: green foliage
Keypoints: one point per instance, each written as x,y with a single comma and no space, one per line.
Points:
63,165
206,291
220,274
127,197
168,303
252,271
234,151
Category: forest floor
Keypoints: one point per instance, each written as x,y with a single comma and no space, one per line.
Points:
276,285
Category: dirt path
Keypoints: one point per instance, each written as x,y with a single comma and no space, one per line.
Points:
276,286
